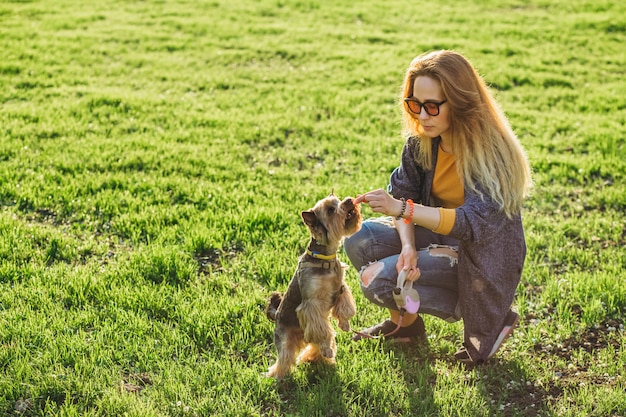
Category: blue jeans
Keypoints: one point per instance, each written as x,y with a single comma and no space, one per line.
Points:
377,245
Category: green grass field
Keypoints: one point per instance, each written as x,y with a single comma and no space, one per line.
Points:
154,159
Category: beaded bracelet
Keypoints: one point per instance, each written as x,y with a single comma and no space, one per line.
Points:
409,218
399,216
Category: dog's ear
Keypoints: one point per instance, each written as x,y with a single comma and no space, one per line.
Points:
309,218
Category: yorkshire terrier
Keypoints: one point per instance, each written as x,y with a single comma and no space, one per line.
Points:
317,290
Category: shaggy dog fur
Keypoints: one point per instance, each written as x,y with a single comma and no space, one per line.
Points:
317,290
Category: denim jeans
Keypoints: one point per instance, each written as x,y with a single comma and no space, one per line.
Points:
377,245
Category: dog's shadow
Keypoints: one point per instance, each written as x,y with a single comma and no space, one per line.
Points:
417,371
320,389
314,389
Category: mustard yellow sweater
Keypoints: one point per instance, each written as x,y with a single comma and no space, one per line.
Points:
447,190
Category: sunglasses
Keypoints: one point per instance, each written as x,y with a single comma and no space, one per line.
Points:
414,106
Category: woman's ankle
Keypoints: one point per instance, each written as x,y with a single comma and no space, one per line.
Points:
407,319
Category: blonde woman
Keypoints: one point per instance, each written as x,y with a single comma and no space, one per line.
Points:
455,202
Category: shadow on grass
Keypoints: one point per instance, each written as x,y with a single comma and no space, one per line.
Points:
506,387
316,390
420,379
509,390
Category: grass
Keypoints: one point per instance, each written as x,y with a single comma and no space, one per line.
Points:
155,156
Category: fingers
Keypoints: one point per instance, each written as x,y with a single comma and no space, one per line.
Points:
412,270
363,198
368,196
378,200
360,198
413,274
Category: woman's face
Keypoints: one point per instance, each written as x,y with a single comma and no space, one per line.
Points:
427,89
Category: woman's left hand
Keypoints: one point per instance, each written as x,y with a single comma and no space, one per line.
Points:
408,261
380,202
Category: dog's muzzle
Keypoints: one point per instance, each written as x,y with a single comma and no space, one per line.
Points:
351,209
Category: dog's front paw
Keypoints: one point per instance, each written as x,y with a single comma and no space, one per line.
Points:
344,325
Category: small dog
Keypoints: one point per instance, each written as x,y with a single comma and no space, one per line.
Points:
303,330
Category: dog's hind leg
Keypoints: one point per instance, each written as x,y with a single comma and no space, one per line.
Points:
313,353
289,342
313,317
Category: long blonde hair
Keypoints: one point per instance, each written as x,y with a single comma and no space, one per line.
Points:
488,154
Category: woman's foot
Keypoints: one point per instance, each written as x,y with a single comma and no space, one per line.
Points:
415,332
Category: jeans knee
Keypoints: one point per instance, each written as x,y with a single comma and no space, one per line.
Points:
355,246
349,245
370,272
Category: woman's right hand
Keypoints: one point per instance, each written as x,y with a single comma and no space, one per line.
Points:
381,202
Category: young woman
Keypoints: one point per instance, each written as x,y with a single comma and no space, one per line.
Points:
454,201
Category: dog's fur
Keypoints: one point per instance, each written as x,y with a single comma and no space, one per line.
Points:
303,330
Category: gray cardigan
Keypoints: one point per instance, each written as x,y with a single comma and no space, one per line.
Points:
491,252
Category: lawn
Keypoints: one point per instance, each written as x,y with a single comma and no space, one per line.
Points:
155,157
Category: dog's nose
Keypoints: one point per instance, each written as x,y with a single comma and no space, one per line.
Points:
348,203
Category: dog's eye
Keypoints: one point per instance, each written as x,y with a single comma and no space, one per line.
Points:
331,210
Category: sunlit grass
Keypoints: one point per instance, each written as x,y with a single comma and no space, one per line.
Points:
155,157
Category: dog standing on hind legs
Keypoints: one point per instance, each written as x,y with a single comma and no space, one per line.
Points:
317,290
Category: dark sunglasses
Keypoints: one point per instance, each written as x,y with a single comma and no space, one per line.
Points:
414,106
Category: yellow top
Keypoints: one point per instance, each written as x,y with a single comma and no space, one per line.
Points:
447,190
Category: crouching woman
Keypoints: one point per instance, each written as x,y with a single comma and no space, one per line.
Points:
454,206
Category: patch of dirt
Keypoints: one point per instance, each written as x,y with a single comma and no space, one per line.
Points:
135,383
590,340
534,398
211,259
529,399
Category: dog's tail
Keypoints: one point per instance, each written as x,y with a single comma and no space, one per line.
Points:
272,305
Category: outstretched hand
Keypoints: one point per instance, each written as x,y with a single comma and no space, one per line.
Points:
380,202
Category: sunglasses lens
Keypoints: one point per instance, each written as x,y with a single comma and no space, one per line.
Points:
413,107
432,108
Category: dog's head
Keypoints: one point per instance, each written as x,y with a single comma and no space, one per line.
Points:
330,220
